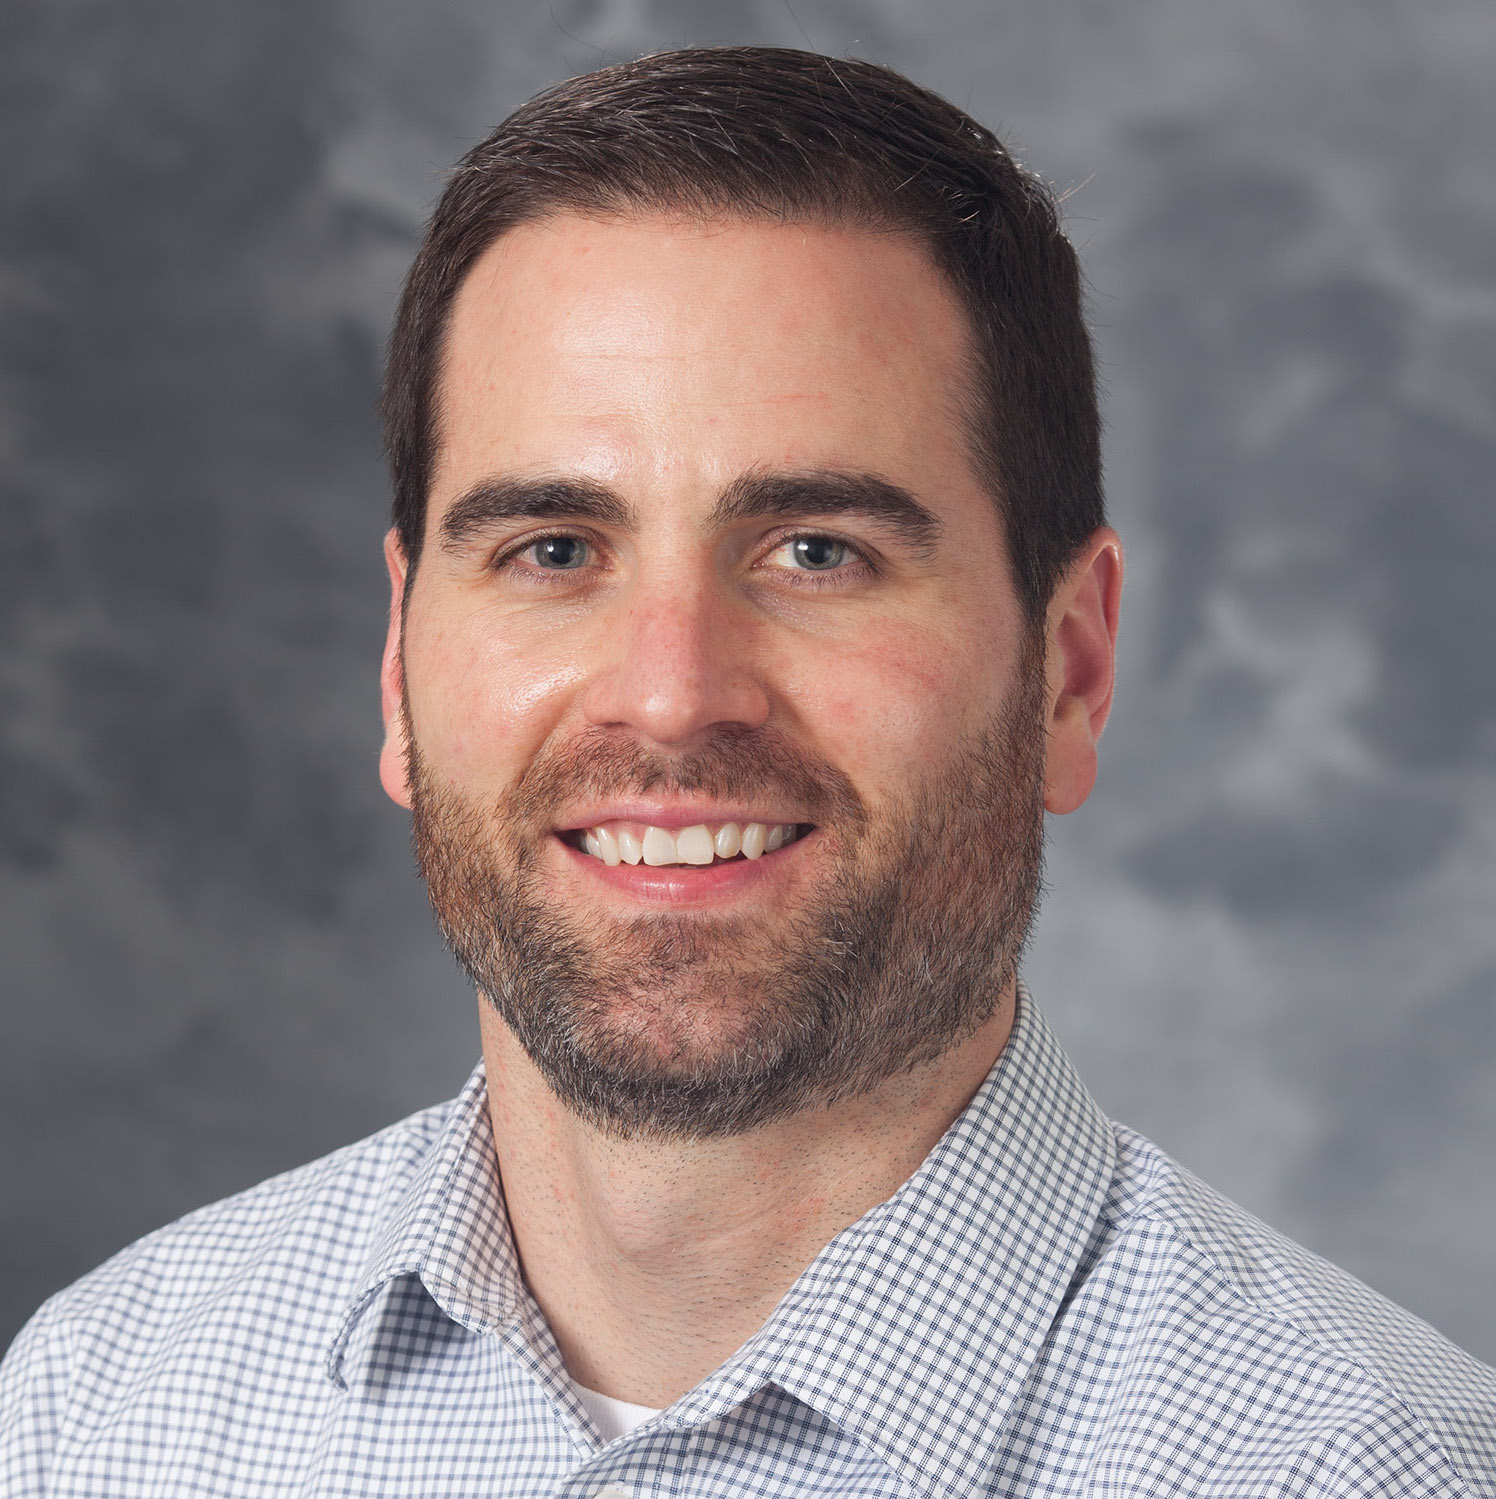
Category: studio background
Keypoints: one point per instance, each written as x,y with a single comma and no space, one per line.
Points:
1270,940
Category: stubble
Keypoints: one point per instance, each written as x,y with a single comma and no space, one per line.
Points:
690,1026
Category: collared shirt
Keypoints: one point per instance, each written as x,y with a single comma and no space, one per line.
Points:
1049,1306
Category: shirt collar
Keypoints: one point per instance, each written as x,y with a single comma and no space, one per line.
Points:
915,1328
449,1228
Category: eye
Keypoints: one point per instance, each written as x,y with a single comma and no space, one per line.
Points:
818,554
558,553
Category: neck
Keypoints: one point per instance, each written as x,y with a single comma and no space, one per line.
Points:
652,1260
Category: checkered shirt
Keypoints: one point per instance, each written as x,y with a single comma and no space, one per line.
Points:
1049,1306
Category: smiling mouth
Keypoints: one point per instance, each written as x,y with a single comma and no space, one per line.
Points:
706,843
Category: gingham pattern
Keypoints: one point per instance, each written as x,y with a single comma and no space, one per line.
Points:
1049,1306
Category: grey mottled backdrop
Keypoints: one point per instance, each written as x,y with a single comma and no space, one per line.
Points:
1270,942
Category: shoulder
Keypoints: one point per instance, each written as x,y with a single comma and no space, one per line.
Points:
1287,1351
322,1217
258,1276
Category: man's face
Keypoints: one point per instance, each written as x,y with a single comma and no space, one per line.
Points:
707,566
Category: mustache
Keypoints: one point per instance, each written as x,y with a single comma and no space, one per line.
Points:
726,762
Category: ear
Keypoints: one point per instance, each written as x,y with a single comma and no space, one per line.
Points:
392,758
1081,667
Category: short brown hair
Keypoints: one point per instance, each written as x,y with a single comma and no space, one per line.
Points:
761,132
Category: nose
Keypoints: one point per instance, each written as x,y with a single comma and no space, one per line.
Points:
680,660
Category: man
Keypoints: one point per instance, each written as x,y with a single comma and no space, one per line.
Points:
750,602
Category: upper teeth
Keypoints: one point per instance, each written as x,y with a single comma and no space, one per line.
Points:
623,843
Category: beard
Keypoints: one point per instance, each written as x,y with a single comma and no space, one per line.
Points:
692,1026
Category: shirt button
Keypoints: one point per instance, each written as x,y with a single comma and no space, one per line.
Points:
613,1491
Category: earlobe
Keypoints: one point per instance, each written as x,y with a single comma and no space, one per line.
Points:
393,774
1081,668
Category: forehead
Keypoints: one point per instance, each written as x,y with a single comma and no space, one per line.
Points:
652,355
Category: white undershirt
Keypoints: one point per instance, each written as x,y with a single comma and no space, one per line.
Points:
612,1417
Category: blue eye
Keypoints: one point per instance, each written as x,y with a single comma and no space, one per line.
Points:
560,553
818,553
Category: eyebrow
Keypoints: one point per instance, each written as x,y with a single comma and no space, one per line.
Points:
785,496
492,502
753,496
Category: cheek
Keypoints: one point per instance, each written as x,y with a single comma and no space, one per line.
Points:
481,706
893,708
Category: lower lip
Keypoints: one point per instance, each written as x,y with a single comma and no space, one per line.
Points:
689,884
